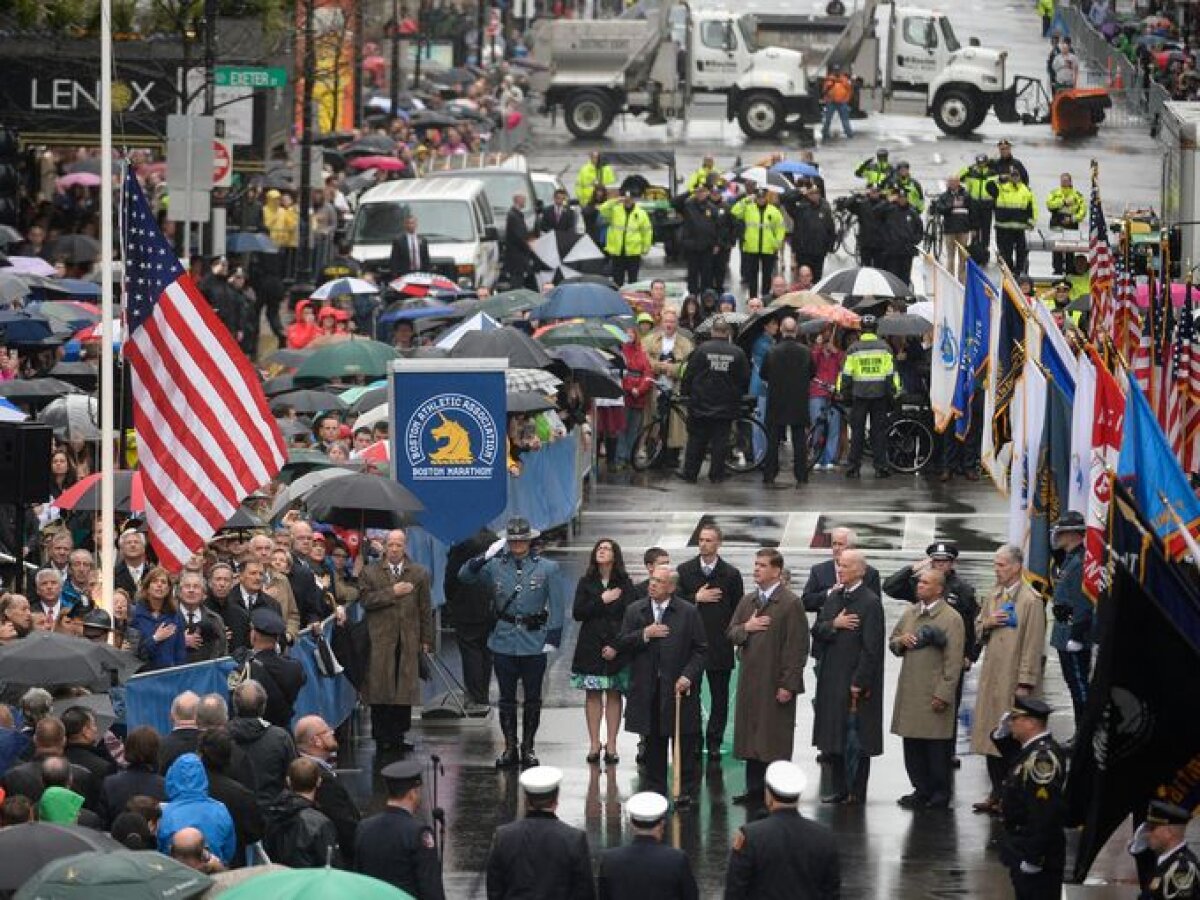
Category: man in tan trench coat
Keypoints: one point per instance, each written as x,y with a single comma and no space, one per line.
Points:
770,630
395,594
1012,629
668,349
929,638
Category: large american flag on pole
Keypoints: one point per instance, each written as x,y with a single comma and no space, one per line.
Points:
1101,265
206,439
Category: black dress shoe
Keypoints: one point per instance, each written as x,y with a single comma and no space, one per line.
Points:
853,473
690,479
938,801
912,801
883,473
746,799
835,798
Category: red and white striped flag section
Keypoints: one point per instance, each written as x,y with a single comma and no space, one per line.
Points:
206,439
1108,426
1101,265
1190,457
1180,405
1127,318
1142,360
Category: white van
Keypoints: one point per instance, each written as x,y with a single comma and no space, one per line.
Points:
453,215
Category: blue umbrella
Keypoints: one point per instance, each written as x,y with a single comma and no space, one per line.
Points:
76,287
249,242
582,300
412,313
22,328
794,167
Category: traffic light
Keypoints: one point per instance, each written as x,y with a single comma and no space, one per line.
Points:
9,179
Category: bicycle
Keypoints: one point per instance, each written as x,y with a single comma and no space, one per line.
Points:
909,435
846,230
931,243
746,435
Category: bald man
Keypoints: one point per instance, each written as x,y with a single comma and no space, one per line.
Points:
823,576
310,598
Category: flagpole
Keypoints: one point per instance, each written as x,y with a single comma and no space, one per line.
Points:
107,437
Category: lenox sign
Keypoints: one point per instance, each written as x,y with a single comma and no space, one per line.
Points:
70,95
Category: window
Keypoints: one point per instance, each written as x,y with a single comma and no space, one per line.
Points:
919,31
715,34
952,43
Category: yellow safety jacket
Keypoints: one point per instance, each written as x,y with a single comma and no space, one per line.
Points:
1045,8
1015,206
1068,202
1081,285
589,177
629,230
976,180
700,176
873,171
763,228
913,190
869,372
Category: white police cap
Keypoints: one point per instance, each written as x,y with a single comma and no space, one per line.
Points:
646,808
786,780
541,780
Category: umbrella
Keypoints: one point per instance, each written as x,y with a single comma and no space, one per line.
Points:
314,884
922,308
9,236
123,874
372,416
353,358
292,428
27,848
75,287
30,265
302,462
760,177
280,384
73,418
582,300
99,705
75,248
226,881
588,366
427,119
84,495
812,326
478,322
838,315
289,357
83,375
802,300
509,304
385,163
507,342
70,312
422,284
580,331
351,396
795,167
341,287
903,325
736,319
23,390
528,401
369,398
47,658
242,520
362,500
10,413
83,179
521,380
453,76
309,401
13,288
249,242
861,282
413,313
379,144
20,327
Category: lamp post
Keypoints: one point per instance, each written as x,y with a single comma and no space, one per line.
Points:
304,263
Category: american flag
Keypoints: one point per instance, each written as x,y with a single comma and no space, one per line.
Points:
1164,337
1101,265
1127,319
1190,458
205,437
1178,383
1143,349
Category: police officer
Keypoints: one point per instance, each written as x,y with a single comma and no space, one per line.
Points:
1005,160
394,845
646,867
715,380
1072,632
813,228
902,180
527,606
903,232
976,179
1176,869
1067,208
630,236
726,235
942,557
593,174
699,238
783,855
540,856
875,171
763,232
1016,213
702,175
870,381
870,209
1031,802
281,677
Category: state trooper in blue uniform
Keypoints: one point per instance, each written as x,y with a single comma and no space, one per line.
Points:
528,605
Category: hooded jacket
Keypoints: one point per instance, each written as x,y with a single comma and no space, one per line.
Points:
189,806
267,751
300,333
299,835
59,805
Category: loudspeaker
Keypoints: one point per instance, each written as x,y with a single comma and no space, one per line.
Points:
25,463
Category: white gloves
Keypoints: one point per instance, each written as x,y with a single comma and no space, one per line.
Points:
496,547
548,648
1074,646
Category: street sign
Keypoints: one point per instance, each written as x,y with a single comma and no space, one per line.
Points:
250,76
222,163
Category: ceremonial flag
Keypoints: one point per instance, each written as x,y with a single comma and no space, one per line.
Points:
206,439
1052,486
1056,355
1101,266
1143,350
1127,320
946,353
1149,470
1082,416
973,362
1190,458
1008,358
1179,393
1108,428
1028,422
1164,334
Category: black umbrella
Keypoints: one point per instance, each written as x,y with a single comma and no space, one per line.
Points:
46,658
280,384
369,145
291,428
35,390
588,366
369,400
362,501
75,248
243,520
432,120
452,76
24,849
301,462
309,401
521,351
753,326
83,375
903,325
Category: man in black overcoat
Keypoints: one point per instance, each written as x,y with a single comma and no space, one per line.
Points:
787,371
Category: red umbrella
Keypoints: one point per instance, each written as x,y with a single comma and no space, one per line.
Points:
386,163
838,315
422,284
84,495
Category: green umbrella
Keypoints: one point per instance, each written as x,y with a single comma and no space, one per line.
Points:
510,303
314,884
115,875
347,359
352,395
589,333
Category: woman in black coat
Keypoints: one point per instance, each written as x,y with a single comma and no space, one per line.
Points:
601,596
140,778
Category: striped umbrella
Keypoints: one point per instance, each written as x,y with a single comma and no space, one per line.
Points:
863,281
520,380
341,287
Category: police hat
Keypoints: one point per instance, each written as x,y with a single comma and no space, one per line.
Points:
1062,282
519,529
1070,521
266,621
785,780
541,780
981,157
1163,813
868,322
403,775
1030,706
882,152
1004,142
942,550
646,808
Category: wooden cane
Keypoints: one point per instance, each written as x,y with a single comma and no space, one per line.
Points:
677,752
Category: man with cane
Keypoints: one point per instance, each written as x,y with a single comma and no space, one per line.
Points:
664,637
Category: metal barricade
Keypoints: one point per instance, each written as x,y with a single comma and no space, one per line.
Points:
1104,66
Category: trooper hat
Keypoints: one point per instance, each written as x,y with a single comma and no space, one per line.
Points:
1030,706
1161,812
1071,520
266,621
519,529
942,550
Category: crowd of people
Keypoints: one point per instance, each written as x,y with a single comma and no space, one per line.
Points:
1159,39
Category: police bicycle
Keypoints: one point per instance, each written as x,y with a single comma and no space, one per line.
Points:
845,224
931,243
747,437
909,436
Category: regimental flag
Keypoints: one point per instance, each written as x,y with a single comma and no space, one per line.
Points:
206,439
1052,486
1008,363
1056,354
1149,470
1029,417
1140,738
1083,411
1127,321
973,360
1108,429
946,353
1101,265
